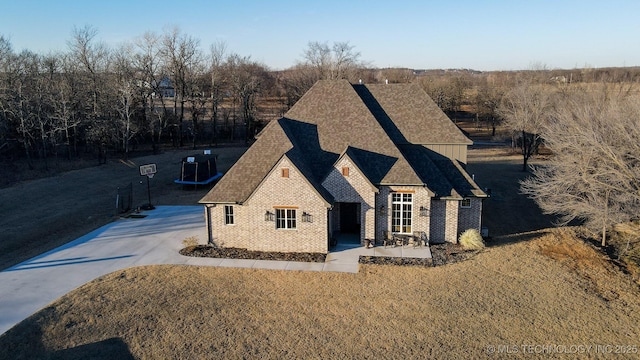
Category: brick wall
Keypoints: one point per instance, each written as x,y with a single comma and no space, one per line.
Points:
451,227
421,197
470,218
251,231
352,188
444,220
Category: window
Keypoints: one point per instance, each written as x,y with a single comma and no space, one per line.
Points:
345,171
465,203
285,218
401,212
285,172
228,215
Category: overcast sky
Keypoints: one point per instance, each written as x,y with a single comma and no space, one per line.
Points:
427,34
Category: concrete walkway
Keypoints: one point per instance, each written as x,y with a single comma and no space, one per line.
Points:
155,239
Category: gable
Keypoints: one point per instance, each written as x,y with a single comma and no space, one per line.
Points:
252,167
347,172
343,120
291,185
349,186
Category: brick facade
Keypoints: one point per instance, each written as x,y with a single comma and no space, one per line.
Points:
449,219
421,198
351,188
441,220
444,220
470,218
250,229
451,227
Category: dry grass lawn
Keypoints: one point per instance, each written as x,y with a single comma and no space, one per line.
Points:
550,290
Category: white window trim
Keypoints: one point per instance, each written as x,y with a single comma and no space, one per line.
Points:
462,206
287,218
402,218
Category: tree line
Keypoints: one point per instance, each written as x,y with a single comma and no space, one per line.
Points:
156,89
163,88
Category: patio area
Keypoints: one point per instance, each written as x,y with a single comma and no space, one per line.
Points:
349,249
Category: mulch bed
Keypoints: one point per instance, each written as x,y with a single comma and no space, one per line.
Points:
442,254
236,253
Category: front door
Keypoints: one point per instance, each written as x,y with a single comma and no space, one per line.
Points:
349,221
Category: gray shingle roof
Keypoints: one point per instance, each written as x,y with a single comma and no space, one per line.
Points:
416,115
378,131
248,172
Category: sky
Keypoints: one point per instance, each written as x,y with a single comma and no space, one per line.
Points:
425,34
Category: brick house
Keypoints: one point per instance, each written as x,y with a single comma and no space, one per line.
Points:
347,158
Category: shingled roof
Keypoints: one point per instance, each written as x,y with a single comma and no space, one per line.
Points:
382,133
416,115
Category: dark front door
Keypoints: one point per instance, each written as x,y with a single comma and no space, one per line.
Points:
349,218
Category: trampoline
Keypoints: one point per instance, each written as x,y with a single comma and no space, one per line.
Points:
199,169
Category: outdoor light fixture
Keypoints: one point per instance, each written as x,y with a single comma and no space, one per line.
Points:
269,216
306,217
424,211
383,210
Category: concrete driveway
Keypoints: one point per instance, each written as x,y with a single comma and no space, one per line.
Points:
155,239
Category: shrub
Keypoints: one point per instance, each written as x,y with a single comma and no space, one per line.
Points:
471,240
190,241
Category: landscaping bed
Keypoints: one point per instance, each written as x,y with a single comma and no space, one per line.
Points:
236,253
442,254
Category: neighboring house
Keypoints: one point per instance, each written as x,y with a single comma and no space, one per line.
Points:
165,88
347,158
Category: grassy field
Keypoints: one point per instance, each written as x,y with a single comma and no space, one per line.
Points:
551,289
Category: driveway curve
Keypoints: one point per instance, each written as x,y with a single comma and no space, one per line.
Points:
153,239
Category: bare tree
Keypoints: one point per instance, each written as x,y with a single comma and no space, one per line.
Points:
340,61
216,60
295,82
125,85
318,56
181,54
525,110
19,105
197,98
94,57
345,60
63,102
446,91
148,64
594,174
246,78
6,58
320,62
488,99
